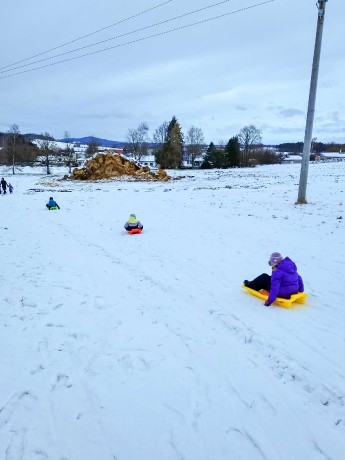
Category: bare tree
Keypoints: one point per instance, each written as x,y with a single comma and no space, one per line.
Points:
17,149
13,133
313,144
194,142
92,147
69,150
250,139
138,139
47,146
160,135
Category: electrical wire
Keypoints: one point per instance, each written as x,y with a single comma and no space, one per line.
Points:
141,39
117,36
88,35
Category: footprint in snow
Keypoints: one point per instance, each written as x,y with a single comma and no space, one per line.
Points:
18,400
15,448
38,369
61,382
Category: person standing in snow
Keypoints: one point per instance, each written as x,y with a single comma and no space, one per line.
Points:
52,204
10,187
133,223
4,184
283,282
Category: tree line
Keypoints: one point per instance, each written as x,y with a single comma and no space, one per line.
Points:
18,149
168,144
315,149
170,147
242,150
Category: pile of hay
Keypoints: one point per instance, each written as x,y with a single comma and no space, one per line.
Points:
108,166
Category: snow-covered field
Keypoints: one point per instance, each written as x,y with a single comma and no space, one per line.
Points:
145,347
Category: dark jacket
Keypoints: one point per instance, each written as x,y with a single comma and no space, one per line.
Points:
285,281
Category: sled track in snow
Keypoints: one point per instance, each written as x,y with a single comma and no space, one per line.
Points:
284,367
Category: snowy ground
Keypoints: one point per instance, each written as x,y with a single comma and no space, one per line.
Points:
145,347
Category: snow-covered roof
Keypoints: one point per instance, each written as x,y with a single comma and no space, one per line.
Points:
333,155
291,157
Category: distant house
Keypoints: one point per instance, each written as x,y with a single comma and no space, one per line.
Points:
290,158
187,161
323,156
198,160
331,156
148,160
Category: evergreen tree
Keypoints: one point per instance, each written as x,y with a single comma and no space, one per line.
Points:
170,155
233,153
208,158
291,147
214,158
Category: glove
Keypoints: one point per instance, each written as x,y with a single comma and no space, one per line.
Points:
267,303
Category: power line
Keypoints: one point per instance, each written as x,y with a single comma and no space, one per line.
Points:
88,35
117,36
141,39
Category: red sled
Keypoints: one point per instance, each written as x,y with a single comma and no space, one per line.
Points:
134,231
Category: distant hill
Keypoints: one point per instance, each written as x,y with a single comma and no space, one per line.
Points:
86,140
31,136
98,140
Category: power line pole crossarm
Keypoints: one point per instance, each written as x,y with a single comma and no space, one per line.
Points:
321,5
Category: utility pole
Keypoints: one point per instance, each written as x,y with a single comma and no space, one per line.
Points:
321,5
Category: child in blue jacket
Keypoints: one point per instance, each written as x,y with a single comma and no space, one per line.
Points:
52,204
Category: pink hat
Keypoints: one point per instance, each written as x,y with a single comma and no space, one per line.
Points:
275,258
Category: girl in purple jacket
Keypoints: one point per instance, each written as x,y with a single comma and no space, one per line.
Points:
283,282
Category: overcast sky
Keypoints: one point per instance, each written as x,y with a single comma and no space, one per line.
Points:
250,67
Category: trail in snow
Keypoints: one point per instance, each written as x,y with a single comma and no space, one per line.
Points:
119,347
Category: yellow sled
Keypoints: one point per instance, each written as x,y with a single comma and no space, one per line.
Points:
285,303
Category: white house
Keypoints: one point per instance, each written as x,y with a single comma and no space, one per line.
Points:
337,156
148,160
291,158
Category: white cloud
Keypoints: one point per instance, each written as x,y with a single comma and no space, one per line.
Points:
250,67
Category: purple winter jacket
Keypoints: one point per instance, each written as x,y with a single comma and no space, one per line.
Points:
285,281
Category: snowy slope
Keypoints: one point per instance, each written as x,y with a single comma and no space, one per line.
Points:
146,347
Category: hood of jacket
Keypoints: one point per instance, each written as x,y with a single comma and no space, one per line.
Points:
132,219
287,266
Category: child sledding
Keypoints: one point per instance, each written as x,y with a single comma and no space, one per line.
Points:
52,204
133,225
283,287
